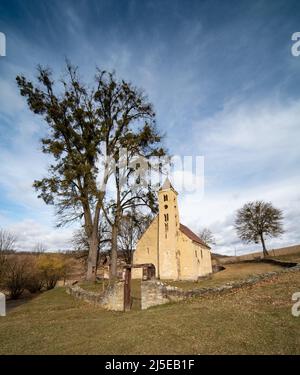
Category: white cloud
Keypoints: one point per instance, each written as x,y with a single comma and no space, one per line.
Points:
217,211
10,100
30,232
251,152
256,132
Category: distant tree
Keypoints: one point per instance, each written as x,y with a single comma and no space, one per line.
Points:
7,245
86,124
7,241
207,236
39,248
258,219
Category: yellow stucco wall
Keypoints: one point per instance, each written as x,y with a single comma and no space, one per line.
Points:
195,259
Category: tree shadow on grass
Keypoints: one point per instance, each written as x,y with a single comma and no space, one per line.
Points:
11,304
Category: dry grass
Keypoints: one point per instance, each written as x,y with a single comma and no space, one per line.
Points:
291,257
98,286
233,272
254,320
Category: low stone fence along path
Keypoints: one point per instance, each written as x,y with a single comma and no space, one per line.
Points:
112,298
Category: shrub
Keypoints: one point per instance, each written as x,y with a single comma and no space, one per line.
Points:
32,272
3,260
35,281
15,275
52,268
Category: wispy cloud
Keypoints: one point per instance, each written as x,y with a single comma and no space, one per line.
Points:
222,80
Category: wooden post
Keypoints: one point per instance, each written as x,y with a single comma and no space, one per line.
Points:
127,289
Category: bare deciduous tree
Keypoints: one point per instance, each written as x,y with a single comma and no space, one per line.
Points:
207,236
7,245
7,241
39,248
256,220
15,275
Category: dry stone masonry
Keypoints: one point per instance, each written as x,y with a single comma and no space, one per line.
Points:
111,299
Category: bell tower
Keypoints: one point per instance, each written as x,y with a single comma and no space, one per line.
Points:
168,227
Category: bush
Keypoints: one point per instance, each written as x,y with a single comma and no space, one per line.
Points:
32,272
35,281
52,268
15,275
3,260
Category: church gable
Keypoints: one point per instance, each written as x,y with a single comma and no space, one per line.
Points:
150,231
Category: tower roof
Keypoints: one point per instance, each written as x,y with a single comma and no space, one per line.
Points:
167,185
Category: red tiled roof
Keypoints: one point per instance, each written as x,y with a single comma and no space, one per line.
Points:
190,234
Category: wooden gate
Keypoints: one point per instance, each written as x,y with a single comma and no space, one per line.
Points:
127,289
148,274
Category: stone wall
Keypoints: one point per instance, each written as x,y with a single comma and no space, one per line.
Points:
156,293
111,299
153,292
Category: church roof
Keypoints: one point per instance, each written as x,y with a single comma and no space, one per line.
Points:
190,234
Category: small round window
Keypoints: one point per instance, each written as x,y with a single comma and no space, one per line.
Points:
166,206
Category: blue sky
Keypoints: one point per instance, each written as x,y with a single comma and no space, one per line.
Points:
220,75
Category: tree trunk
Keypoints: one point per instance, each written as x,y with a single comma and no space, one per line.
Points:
114,251
92,257
265,252
92,230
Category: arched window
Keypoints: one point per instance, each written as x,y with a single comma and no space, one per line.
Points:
166,230
165,197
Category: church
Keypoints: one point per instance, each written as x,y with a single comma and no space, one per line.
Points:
176,252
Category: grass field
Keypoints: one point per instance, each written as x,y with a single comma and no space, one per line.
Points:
232,272
253,320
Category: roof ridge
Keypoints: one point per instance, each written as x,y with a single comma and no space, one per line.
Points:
191,235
